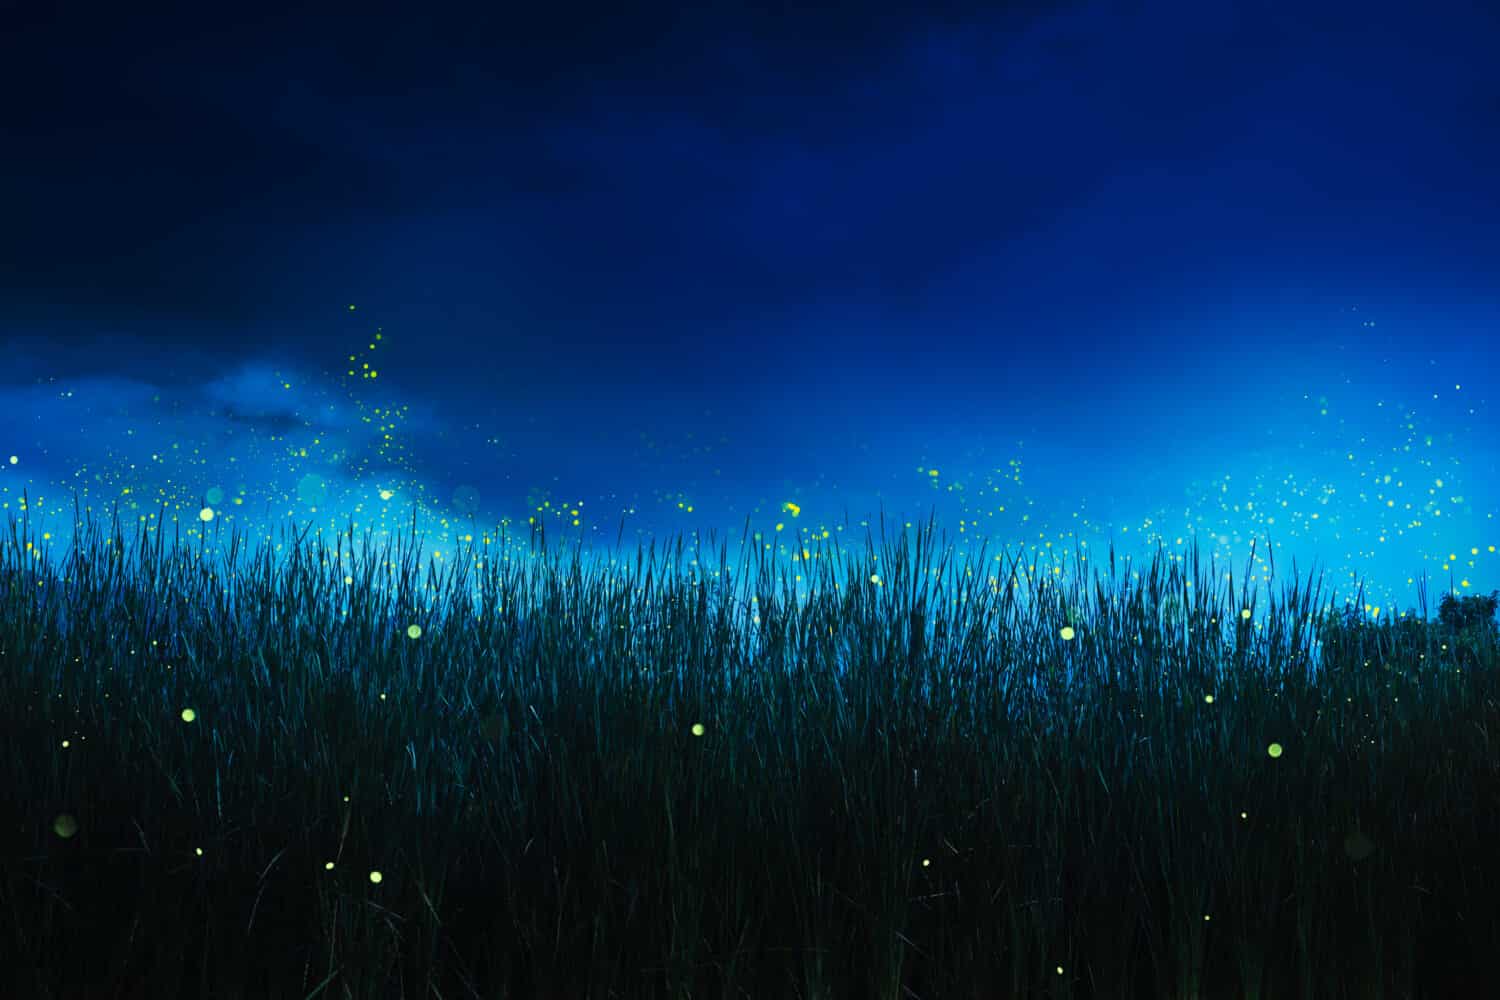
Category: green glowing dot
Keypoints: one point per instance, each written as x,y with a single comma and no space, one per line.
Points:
376,877
65,826
414,631
188,715
1274,749
698,729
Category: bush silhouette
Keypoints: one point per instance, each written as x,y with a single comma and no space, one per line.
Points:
1468,623
1476,612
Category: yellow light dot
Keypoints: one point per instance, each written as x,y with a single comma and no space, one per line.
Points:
188,715
376,877
206,514
1067,632
414,631
1245,614
698,729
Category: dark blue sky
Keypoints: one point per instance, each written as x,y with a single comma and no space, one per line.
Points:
1144,270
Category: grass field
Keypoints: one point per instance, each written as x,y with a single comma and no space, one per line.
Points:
349,774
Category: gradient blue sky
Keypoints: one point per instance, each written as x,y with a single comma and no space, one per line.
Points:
1064,272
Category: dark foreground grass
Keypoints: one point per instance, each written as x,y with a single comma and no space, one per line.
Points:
264,784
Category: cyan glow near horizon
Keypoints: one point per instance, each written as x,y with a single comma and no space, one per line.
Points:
265,451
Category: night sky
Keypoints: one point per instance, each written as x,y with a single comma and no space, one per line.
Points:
1059,273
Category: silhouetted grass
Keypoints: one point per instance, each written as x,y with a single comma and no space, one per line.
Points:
914,784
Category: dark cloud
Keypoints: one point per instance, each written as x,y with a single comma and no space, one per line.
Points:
634,179
186,163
